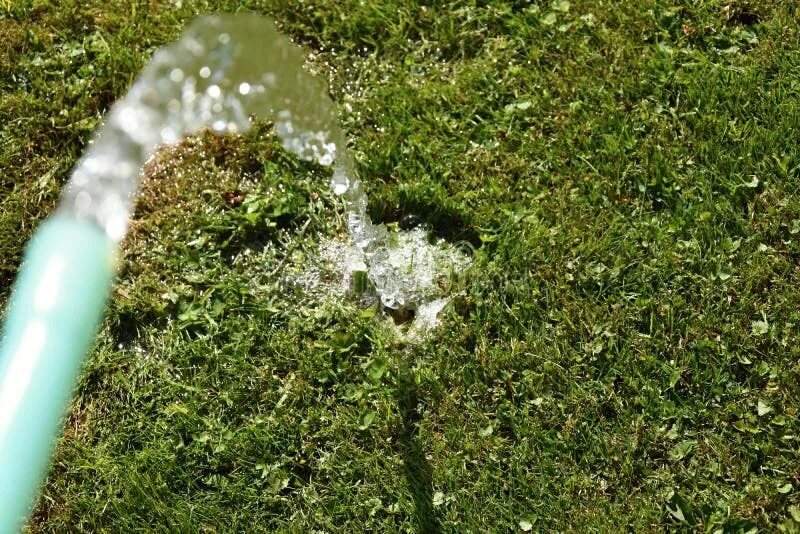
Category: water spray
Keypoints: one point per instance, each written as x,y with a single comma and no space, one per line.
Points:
223,72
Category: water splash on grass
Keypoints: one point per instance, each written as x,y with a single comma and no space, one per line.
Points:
223,72
410,274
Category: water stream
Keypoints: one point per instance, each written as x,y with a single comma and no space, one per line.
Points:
224,72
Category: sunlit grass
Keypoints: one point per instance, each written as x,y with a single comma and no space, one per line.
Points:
624,355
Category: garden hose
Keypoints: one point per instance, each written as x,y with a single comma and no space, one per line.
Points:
56,304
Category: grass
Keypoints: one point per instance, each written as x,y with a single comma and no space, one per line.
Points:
625,355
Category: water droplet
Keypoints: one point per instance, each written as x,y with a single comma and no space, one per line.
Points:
169,135
214,91
244,88
205,72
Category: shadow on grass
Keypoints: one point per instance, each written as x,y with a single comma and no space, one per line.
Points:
417,469
446,221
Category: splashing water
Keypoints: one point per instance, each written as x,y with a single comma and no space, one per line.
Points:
223,71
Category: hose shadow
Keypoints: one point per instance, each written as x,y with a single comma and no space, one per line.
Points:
416,466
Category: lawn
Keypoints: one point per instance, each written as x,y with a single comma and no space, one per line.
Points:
622,354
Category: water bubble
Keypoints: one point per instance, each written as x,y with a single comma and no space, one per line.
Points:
339,188
169,135
214,91
244,88
176,75
205,72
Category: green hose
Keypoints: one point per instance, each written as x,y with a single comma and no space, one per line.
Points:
56,304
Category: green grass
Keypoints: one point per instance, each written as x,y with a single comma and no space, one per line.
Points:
625,355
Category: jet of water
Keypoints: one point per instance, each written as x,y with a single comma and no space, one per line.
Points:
224,71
